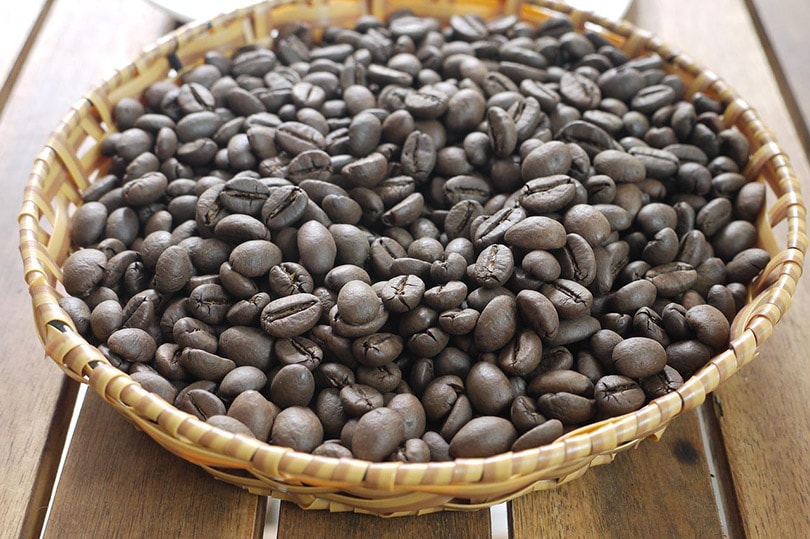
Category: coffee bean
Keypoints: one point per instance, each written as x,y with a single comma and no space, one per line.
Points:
542,434
547,194
568,408
254,411
497,324
617,395
291,315
377,434
638,357
298,428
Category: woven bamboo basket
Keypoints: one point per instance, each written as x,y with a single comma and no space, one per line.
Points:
71,159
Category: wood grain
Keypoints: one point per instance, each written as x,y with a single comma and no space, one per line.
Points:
295,523
63,63
117,482
19,28
762,410
656,490
782,27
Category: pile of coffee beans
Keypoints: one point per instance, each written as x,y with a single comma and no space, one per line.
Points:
411,242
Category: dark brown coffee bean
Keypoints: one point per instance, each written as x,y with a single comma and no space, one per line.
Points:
589,223
209,303
536,232
295,138
377,435
488,388
497,324
290,316
750,200
559,380
239,380
710,326
358,399
667,381
542,434
570,299
206,365
547,194
255,411
200,402
579,91
418,156
617,395
298,428
465,110
502,131
482,437
735,237
638,357
132,344
463,188
541,265
293,385
494,266
688,356
747,264
491,230
570,409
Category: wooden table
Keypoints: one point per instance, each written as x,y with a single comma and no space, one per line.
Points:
738,467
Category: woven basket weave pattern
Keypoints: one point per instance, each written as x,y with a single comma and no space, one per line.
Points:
72,159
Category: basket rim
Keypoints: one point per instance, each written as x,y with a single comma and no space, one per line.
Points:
172,428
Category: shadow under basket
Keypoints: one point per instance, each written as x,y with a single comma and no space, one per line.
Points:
72,159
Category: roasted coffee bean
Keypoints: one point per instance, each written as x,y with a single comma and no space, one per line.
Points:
488,388
209,303
256,412
482,437
639,357
492,229
746,265
709,325
750,200
568,408
560,380
579,91
463,188
732,239
377,435
589,223
497,324
536,232
298,428
494,266
617,395
290,316
547,194
544,433
569,298
292,385
239,380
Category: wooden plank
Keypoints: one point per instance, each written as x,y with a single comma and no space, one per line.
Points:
295,523
18,31
657,490
782,27
35,401
35,419
763,410
118,482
